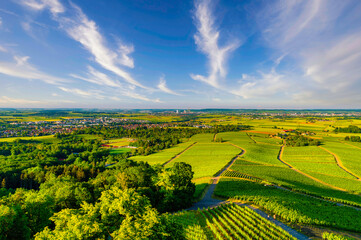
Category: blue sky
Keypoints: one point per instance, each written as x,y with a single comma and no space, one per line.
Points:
180,54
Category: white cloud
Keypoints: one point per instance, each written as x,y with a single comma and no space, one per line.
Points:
207,40
321,41
268,85
336,66
22,69
139,96
163,87
86,32
92,93
1,21
98,78
54,5
8,100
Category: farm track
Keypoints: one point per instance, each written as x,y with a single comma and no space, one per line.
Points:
207,200
339,163
214,137
178,155
305,174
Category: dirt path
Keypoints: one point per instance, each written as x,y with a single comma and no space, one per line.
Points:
207,200
305,174
215,137
339,163
177,156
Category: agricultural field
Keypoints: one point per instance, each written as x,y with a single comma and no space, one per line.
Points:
290,207
115,143
40,139
229,221
207,159
350,156
164,155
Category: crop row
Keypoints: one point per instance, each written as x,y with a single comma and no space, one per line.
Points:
236,174
291,207
231,221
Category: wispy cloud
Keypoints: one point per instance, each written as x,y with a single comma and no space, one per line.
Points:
86,32
22,69
207,40
54,5
266,86
91,93
322,39
8,100
135,95
163,87
97,77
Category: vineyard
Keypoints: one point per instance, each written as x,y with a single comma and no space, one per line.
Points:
289,206
229,221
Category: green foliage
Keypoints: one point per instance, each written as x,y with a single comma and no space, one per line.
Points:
353,138
121,214
349,129
300,141
333,236
13,223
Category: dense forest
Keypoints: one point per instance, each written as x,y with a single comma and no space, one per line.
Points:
73,188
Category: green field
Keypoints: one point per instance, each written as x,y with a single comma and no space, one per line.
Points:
350,156
208,158
44,139
119,150
164,155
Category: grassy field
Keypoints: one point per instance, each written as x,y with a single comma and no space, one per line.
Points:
164,155
349,156
120,142
43,139
116,151
208,158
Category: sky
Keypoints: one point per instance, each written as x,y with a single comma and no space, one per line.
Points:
180,54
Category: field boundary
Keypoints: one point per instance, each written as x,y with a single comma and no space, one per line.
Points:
177,156
351,145
251,138
305,174
340,164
